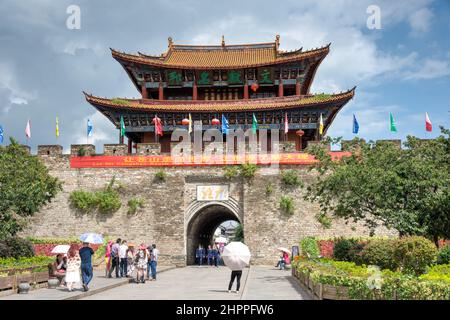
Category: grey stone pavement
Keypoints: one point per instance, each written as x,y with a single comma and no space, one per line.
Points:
98,284
208,283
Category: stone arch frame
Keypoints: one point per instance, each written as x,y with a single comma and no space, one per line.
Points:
195,208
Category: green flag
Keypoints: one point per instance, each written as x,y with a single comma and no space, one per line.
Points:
122,127
254,124
393,128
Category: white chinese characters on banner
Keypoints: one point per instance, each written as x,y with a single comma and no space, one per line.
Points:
212,193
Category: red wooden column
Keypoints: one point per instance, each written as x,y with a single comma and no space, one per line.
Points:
130,144
280,89
161,91
246,90
297,88
144,91
194,91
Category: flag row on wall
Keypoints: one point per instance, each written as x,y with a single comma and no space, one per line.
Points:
224,125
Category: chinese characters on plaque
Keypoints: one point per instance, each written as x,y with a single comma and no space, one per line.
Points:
212,193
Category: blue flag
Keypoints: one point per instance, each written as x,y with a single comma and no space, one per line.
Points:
355,125
1,134
89,128
225,125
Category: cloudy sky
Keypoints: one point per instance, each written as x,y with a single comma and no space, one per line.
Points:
403,68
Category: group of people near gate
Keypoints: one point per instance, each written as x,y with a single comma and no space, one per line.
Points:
124,258
211,255
74,267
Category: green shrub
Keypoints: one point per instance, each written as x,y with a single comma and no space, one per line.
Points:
248,170
341,249
15,247
269,188
287,205
231,172
380,253
160,176
105,201
309,248
83,200
24,262
444,255
290,178
415,254
324,220
53,240
440,272
81,152
134,204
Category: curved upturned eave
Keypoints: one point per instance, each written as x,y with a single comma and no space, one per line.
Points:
160,63
212,106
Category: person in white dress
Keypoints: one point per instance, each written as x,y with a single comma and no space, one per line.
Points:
73,268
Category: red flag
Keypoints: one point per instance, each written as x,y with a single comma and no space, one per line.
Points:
158,125
286,125
428,125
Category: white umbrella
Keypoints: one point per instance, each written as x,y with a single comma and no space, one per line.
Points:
93,238
236,255
221,240
284,250
61,248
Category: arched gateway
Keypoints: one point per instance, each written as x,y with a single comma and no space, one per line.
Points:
202,219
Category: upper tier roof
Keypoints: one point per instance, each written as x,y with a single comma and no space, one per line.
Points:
221,56
275,103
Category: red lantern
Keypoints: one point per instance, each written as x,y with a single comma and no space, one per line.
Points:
300,133
215,122
254,86
185,122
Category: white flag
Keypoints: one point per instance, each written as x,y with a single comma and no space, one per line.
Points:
28,130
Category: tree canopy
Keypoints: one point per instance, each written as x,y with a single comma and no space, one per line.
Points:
381,184
25,185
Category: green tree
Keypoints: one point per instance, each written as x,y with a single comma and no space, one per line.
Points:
238,233
25,185
381,184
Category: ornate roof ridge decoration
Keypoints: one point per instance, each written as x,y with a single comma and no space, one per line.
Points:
221,56
274,103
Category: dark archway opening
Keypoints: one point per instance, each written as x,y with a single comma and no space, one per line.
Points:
202,226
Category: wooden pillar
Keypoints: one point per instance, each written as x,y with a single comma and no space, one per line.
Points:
130,145
246,90
144,91
120,138
161,91
297,88
280,88
194,91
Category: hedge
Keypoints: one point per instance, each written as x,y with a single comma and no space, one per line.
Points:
360,280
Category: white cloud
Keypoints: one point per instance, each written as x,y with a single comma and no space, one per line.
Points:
420,21
9,84
429,69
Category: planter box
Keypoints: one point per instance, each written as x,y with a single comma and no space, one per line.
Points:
7,282
13,281
323,291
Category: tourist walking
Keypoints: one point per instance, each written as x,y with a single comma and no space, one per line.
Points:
235,274
73,268
115,258
216,257
149,249
154,261
130,257
209,256
141,261
123,248
108,257
87,273
199,255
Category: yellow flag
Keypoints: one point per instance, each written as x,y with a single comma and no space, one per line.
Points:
57,128
190,123
321,125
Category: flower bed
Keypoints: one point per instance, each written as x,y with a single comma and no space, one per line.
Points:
44,246
334,280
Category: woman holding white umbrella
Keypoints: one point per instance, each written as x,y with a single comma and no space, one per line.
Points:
236,256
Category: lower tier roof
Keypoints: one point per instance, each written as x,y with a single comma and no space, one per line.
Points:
264,104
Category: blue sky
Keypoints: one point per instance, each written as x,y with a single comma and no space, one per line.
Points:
403,68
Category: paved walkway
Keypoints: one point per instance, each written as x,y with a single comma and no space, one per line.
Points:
98,284
208,283
269,283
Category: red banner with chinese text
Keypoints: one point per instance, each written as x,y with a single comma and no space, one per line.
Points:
136,161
